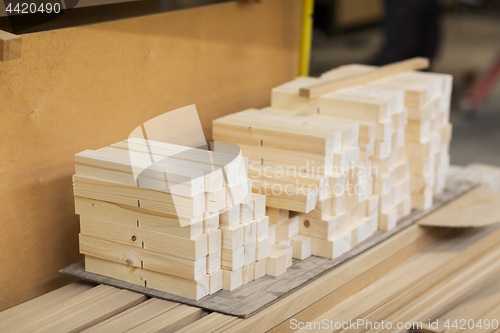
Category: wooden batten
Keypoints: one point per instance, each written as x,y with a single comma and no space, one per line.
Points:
214,241
250,230
233,237
248,273
160,176
230,164
143,258
327,86
259,209
192,249
262,248
232,279
302,246
332,248
193,289
233,259
250,253
134,196
213,261
215,281
230,217
139,217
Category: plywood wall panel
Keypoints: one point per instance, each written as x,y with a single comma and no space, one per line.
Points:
87,87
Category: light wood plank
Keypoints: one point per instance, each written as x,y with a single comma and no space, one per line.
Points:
216,201
248,273
246,214
481,202
139,217
209,323
230,217
77,304
143,258
192,289
285,158
262,227
214,261
192,249
233,259
287,196
25,310
302,246
76,320
244,128
233,237
99,189
214,240
262,249
213,175
158,176
210,222
276,264
443,259
250,253
259,208
232,279
250,230
170,321
332,248
216,281
230,164
327,86
134,316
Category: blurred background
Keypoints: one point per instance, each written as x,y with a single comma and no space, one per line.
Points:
462,38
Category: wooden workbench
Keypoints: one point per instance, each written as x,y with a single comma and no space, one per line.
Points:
416,275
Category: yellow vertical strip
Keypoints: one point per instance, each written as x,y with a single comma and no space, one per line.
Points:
305,47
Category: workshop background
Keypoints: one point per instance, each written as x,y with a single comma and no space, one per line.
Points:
352,31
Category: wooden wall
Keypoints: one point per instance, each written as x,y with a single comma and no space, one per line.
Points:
88,87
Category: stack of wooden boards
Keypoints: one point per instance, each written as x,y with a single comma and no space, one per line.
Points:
426,114
354,159
428,133
327,168
317,202
418,275
177,219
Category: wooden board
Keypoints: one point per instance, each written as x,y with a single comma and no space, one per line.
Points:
331,85
484,204
255,296
88,87
10,46
77,313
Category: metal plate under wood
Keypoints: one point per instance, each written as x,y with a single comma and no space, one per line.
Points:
257,295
